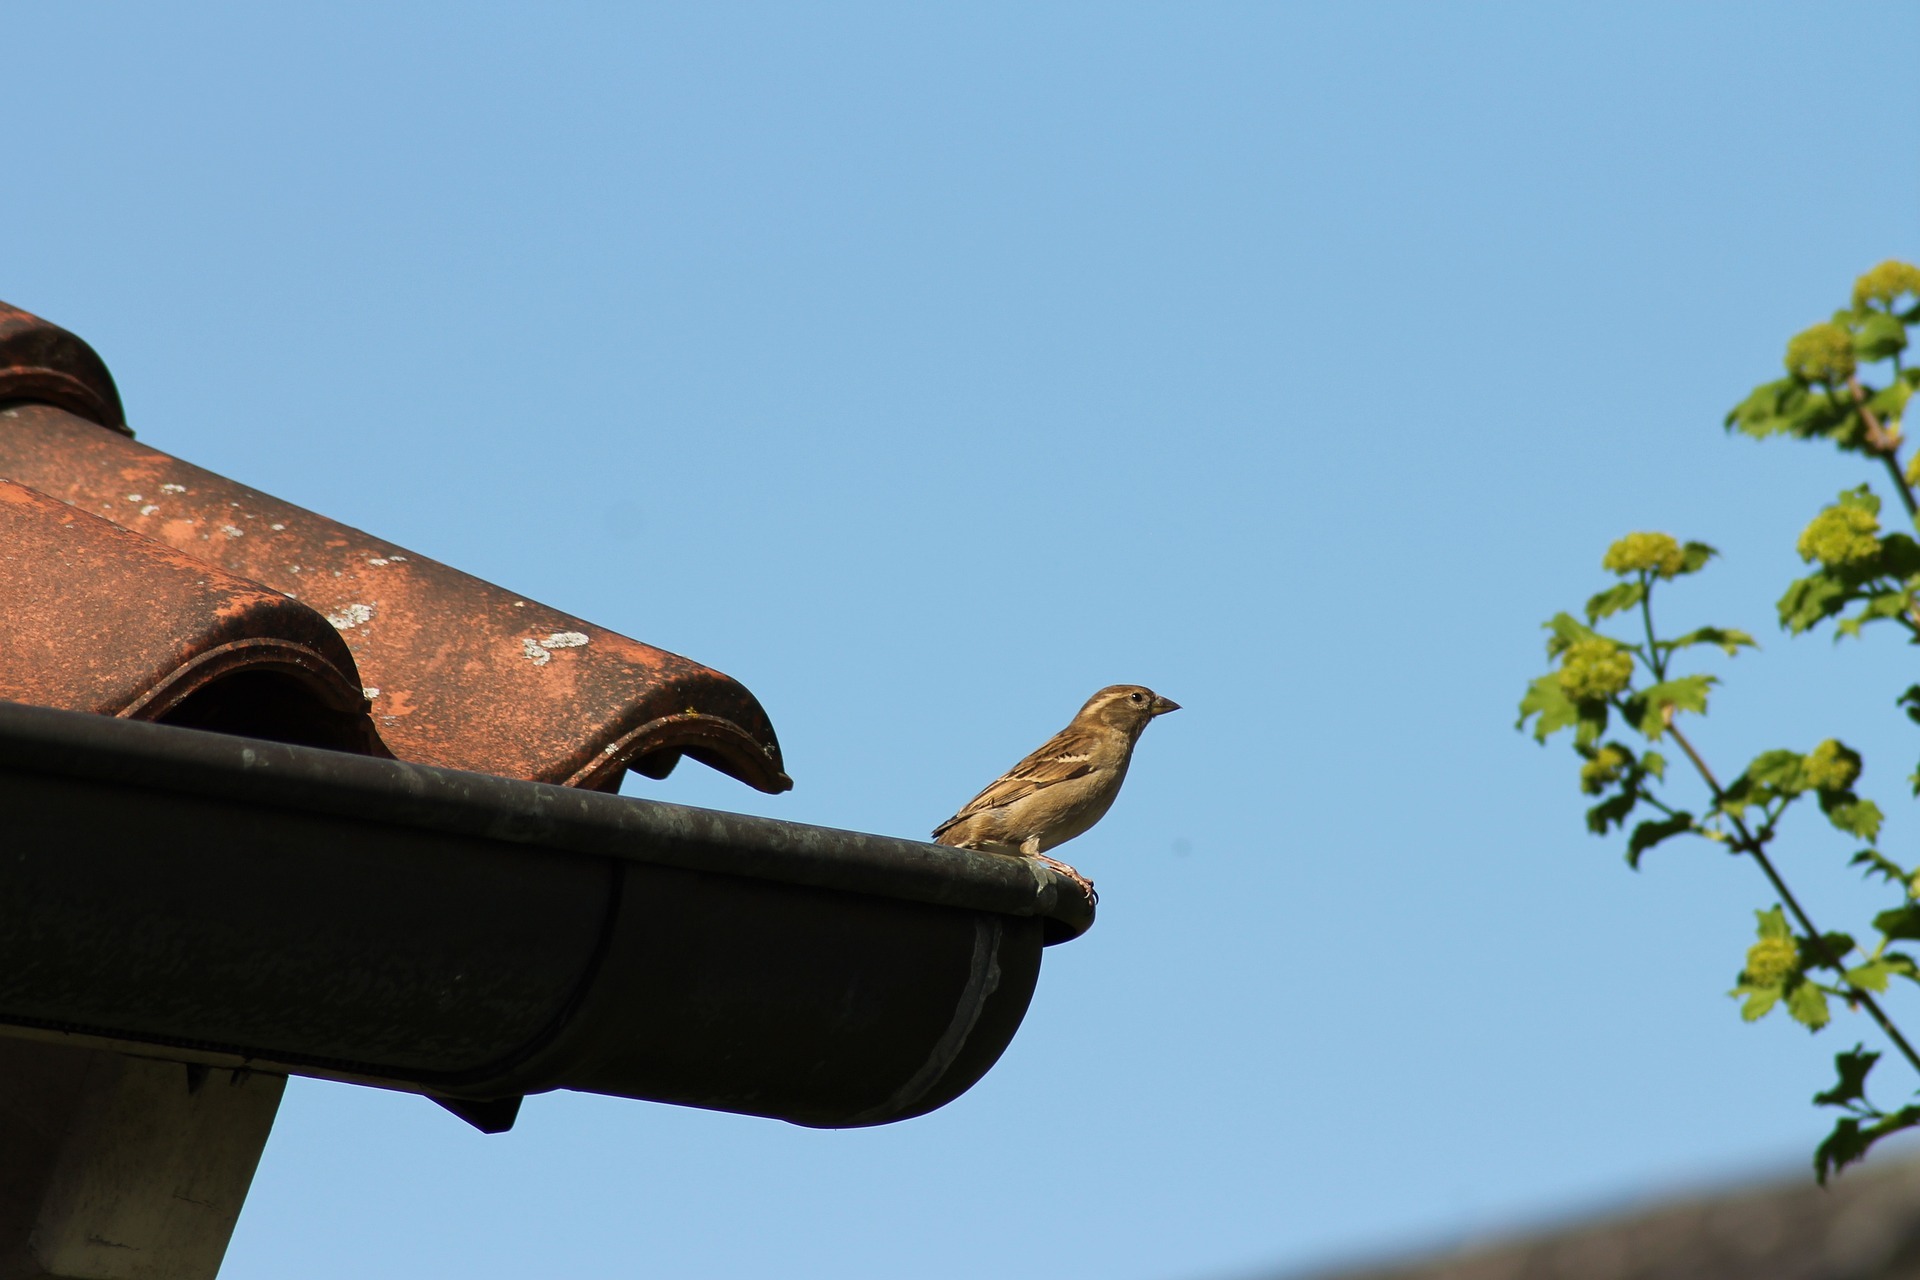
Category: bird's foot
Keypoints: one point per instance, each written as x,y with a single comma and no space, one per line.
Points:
1086,885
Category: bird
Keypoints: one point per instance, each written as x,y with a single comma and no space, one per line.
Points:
1064,787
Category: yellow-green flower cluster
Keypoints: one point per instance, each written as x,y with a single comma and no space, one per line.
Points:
1654,551
1595,669
1772,961
1841,535
1606,767
1823,353
1830,767
1885,283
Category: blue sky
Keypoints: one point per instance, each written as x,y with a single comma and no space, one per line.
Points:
927,368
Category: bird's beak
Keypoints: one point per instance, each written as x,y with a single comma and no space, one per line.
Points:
1163,705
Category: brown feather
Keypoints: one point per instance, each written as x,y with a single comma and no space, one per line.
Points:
1063,757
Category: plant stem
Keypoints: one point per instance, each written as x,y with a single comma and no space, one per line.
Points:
1816,939
1654,659
1654,800
1882,442
1900,485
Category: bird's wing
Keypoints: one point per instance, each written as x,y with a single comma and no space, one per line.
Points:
1065,756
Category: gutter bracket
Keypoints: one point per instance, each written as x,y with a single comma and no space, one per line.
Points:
488,1115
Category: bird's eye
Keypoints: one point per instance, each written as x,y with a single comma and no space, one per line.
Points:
1134,697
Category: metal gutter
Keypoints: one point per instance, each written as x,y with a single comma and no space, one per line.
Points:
237,902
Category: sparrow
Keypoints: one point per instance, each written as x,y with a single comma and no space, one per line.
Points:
1063,788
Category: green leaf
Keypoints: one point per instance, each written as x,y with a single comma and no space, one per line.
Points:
1900,922
1624,595
1901,965
1849,1141
1739,795
1880,606
1725,637
1888,604
1565,632
1871,976
1590,724
1652,762
1877,336
1687,693
1546,699
1773,923
1853,1066
1878,864
1807,1004
1759,1001
1910,701
1851,814
1861,496
1694,557
1842,1147
1890,401
1778,770
1808,413
1899,555
1648,834
1811,600
1839,946
1612,812
1765,410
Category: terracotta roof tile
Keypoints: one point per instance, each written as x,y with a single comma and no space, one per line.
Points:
43,362
103,620
460,672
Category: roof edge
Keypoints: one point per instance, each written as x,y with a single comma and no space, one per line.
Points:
43,363
428,798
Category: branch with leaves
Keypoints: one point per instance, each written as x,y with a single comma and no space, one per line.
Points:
1861,575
